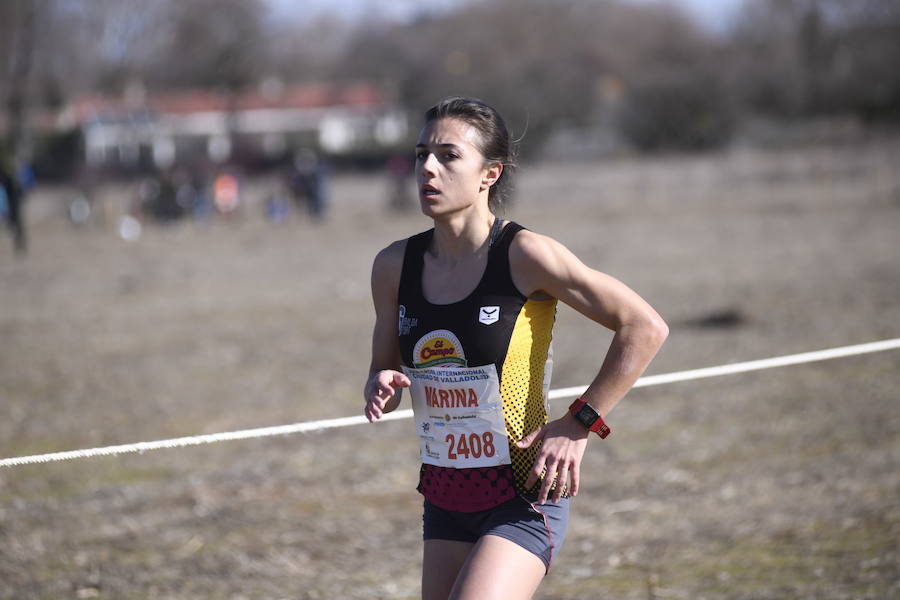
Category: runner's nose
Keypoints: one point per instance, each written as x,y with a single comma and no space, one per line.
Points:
428,166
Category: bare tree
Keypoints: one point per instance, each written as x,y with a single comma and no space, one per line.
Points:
209,43
24,15
801,57
542,62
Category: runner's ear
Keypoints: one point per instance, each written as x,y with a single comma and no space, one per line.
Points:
492,173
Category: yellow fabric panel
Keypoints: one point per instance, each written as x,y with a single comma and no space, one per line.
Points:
522,380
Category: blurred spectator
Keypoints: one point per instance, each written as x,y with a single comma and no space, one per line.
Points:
11,198
147,193
185,192
277,207
82,208
203,203
25,175
226,193
308,181
158,198
167,208
399,171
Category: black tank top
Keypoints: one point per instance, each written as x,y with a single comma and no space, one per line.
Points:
495,324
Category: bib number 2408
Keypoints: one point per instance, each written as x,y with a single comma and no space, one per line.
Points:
474,445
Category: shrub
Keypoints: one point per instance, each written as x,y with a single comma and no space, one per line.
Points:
677,111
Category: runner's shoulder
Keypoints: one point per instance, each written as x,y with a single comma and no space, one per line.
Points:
389,261
530,249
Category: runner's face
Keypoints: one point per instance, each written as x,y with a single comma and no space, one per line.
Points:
450,169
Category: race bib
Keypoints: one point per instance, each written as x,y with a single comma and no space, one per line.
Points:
459,416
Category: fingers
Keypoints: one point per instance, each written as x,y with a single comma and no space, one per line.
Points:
574,478
550,475
568,475
382,386
376,399
556,467
556,477
400,380
384,389
387,382
537,469
561,478
374,409
532,437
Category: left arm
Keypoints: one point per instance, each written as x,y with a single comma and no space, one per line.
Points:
543,265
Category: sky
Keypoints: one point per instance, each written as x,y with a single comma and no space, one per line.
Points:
714,14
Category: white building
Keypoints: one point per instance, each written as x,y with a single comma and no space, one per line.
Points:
270,122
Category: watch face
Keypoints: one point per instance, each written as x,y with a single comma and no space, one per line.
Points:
586,416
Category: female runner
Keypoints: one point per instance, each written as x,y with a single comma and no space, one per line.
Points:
464,314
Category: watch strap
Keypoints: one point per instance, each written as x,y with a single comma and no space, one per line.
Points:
595,422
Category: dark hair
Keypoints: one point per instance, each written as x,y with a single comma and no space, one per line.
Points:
495,143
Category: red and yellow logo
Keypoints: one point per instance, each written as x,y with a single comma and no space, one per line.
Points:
439,348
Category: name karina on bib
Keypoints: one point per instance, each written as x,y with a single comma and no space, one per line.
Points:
454,398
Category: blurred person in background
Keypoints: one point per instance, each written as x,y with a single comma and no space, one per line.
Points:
226,193
277,208
308,180
166,208
464,317
11,198
399,173
200,181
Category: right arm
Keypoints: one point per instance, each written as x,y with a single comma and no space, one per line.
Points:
385,382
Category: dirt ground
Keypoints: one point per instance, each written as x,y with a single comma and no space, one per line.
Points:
776,484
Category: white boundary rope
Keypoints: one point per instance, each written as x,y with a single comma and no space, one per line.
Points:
195,440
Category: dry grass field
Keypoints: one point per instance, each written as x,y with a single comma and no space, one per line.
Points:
775,484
